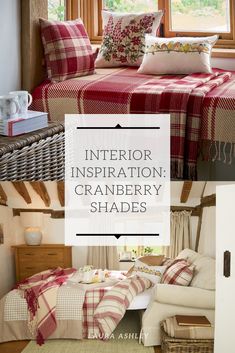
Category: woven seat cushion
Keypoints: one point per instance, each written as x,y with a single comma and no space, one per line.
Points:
67,49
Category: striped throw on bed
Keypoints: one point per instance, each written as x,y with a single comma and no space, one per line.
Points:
114,303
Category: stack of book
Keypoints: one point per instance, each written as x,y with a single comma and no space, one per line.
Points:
18,126
188,327
188,320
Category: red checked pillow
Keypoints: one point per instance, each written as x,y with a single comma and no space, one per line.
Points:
67,49
123,41
180,273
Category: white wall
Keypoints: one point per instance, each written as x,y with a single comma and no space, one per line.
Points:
52,229
207,244
10,70
7,274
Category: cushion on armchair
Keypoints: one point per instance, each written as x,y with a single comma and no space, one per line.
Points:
204,271
180,272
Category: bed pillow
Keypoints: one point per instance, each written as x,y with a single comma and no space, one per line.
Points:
180,273
153,273
151,260
123,41
67,49
180,55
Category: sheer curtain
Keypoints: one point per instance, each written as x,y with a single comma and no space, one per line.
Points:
103,257
180,233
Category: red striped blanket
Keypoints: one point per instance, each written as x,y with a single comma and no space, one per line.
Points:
104,308
40,293
124,91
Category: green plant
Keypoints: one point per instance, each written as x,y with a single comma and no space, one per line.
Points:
186,6
56,10
131,5
148,250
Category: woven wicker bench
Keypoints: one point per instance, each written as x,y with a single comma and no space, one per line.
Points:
180,345
37,155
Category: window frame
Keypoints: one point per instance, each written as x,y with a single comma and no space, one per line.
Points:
226,40
90,12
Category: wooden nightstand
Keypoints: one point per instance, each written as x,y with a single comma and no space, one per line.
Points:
30,260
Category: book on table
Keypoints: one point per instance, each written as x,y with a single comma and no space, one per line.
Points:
21,125
190,320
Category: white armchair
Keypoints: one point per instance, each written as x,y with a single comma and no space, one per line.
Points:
169,300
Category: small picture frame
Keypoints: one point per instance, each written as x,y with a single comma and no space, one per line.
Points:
126,256
1,234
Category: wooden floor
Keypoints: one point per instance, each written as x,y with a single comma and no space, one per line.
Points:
18,346
13,347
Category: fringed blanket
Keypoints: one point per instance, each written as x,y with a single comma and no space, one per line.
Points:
40,293
218,123
124,91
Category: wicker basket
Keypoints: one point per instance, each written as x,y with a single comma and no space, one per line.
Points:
179,345
38,155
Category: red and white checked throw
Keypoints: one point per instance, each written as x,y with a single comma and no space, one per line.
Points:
40,293
124,91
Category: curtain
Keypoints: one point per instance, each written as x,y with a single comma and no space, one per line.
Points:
104,257
180,234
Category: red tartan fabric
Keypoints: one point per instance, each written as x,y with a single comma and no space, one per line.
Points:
218,136
67,49
180,273
39,292
92,299
124,91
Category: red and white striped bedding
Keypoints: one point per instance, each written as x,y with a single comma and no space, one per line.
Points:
104,308
189,100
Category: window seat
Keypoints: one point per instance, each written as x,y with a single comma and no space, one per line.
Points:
202,111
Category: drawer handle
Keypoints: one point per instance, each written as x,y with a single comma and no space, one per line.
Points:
29,254
52,254
29,268
227,264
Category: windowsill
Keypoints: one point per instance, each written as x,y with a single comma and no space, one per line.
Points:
216,52
223,53
126,260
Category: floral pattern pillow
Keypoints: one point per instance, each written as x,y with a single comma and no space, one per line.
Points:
123,41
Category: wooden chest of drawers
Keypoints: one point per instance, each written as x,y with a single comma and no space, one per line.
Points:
33,259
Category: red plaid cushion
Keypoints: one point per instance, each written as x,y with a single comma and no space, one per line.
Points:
180,273
67,48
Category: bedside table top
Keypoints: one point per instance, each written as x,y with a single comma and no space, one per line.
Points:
41,246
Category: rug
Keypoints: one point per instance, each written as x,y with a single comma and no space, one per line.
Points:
124,340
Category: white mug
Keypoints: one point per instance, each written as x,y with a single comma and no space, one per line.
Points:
9,107
25,100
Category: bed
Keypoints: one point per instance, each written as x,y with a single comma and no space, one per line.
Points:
76,306
202,108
